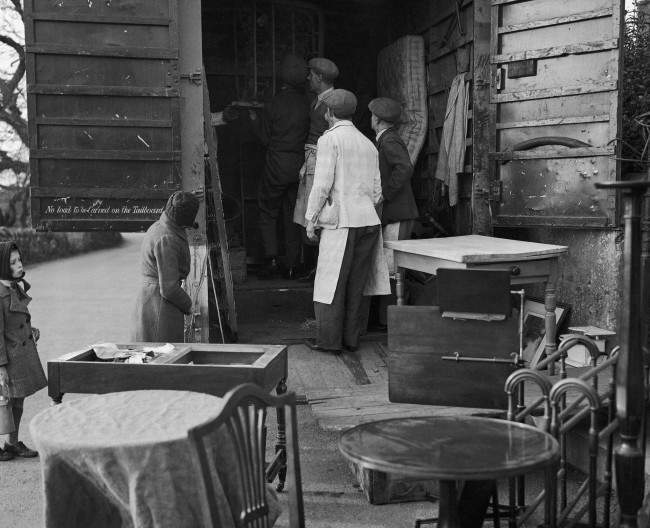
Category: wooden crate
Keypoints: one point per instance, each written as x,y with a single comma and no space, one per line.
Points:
383,488
421,343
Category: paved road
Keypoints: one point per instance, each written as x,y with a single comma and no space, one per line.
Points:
86,299
77,301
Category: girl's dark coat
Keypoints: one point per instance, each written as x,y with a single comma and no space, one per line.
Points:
17,347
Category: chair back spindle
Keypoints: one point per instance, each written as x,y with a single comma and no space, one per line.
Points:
237,437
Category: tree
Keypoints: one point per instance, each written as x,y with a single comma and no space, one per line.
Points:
636,90
14,165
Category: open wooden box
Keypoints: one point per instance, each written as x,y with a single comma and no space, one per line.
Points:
209,368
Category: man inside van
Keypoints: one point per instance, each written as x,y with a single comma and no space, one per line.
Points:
399,209
322,74
283,129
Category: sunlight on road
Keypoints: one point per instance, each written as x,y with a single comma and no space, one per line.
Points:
87,298
77,301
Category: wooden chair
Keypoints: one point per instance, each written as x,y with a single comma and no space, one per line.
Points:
241,424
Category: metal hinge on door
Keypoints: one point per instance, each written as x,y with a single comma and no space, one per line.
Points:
499,78
195,78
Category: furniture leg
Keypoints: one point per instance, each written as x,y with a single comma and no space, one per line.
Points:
399,286
512,506
473,503
550,303
474,499
448,505
281,446
550,500
630,398
53,384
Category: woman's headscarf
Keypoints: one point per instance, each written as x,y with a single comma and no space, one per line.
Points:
182,207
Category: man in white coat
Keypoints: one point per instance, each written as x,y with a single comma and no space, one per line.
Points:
342,207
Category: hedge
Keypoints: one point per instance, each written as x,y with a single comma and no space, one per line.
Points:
43,246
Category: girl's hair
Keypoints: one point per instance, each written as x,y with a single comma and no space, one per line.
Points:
6,248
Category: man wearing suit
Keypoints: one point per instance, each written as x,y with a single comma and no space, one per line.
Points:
322,74
394,165
399,209
342,203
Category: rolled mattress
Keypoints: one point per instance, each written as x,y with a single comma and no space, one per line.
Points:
402,75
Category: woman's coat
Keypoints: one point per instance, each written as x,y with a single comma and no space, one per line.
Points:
162,301
17,348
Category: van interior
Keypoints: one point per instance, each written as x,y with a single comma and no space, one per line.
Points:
243,43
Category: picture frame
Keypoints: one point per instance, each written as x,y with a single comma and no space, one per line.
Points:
534,328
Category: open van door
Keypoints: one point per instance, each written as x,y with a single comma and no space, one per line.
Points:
555,82
115,101
103,102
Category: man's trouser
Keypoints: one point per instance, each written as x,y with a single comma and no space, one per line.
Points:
383,301
338,323
273,200
375,308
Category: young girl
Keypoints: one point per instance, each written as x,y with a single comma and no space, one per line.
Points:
21,373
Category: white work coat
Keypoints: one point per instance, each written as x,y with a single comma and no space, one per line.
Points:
345,193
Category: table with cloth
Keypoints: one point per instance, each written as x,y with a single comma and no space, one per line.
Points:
124,460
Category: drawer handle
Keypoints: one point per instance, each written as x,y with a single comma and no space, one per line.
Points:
457,357
515,270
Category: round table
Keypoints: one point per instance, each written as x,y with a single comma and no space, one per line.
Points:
449,448
122,459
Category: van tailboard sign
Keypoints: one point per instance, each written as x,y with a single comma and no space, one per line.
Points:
104,112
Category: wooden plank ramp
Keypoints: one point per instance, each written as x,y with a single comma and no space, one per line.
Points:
352,388
340,409
346,390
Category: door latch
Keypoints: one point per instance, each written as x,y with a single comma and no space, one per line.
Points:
493,191
496,191
195,77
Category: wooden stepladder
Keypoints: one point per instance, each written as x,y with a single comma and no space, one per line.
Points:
218,263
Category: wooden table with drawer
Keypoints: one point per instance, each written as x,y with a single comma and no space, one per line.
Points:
527,262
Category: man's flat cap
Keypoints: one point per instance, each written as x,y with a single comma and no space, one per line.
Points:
325,67
342,102
386,109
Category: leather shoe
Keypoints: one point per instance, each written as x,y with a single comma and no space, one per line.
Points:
20,450
309,276
378,327
271,270
5,455
313,346
294,272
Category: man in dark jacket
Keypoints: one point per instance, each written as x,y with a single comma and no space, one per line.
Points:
394,165
283,129
399,209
